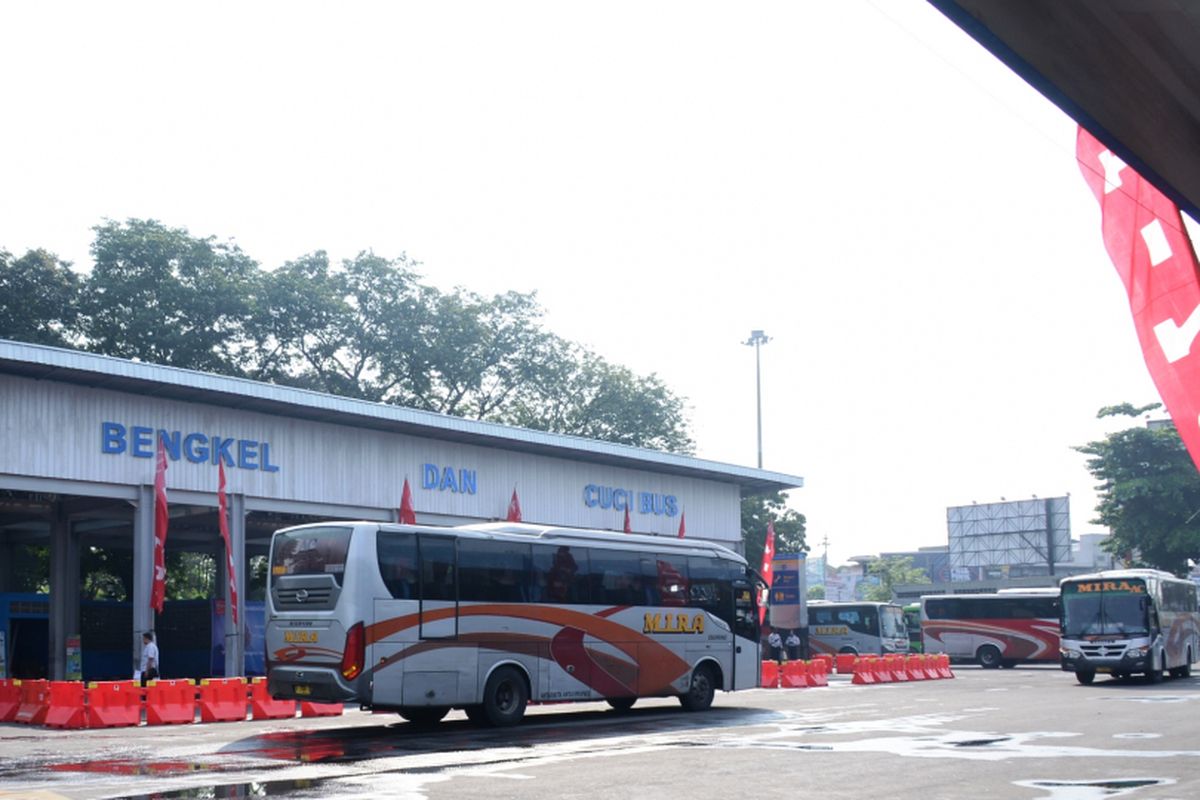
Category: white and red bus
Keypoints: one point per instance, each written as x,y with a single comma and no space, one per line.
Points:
1129,621
486,618
861,628
1003,629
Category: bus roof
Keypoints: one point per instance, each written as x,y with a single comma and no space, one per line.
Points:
1117,574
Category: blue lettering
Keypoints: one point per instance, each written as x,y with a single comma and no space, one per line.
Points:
247,454
267,466
195,448
467,481
221,450
143,442
112,438
429,476
170,442
646,502
620,500
591,495
606,497
672,505
448,481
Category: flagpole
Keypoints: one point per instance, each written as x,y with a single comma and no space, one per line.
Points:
758,338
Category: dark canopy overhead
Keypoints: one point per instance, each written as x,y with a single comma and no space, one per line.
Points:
1127,70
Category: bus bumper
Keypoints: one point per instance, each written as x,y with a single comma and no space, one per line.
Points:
315,684
1127,663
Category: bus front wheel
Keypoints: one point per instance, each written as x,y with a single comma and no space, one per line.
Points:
699,695
1085,676
988,657
424,715
505,697
621,703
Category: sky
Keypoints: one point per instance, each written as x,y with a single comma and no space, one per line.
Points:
900,213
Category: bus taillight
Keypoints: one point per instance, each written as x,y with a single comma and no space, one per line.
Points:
352,655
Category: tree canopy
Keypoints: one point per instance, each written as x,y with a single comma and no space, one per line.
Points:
367,327
1149,493
757,512
891,572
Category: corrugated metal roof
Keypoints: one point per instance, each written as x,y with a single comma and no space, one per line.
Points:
121,375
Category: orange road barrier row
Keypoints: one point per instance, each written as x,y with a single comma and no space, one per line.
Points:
222,699
10,699
795,675
943,666
915,667
66,707
818,670
770,675
896,667
321,709
35,702
170,702
883,673
846,663
824,658
864,670
113,704
263,706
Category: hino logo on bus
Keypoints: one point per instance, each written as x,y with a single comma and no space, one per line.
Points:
673,623
301,595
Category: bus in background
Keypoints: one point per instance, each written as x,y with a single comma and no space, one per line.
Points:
861,628
486,618
912,624
1127,621
1003,629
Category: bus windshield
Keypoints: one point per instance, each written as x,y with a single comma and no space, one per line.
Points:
891,619
1105,609
311,551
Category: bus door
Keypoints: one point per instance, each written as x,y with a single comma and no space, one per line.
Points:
439,672
746,659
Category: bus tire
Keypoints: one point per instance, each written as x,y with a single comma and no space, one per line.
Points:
1185,669
475,714
424,715
621,703
1008,663
505,697
1085,676
988,657
701,691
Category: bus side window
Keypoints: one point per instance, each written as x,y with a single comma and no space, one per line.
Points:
560,574
397,556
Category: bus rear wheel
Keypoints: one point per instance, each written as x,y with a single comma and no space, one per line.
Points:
505,697
1085,676
621,703
988,657
700,693
424,715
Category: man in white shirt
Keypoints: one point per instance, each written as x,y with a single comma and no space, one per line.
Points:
149,664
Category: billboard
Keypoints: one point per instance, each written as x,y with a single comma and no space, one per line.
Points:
990,538
789,586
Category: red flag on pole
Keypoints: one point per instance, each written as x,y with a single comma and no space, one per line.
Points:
223,524
1146,240
514,508
407,515
628,528
768,557
682,528
158,589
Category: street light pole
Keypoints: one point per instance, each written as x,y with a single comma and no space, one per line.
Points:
756,339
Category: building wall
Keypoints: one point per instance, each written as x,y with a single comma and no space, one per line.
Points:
61,431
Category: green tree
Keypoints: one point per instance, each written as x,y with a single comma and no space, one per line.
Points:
757,512
1149,493
39,299
891,572
816,593
160,295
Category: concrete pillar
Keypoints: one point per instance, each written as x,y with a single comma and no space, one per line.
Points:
7,554
235,645
143,568
64,590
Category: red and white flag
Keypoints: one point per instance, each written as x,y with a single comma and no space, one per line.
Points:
408,516
158,589
1148,244
628,528
768,557
682,527
223,524
514,508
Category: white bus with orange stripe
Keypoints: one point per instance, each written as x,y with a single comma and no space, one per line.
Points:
486,618
999,629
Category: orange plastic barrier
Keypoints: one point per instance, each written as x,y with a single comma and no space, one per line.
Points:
113,704
170,702
883,672
263,706
66,707
864,670
914,665
222,699
818,671
846,663
35,702
931,667
770,675
10,699
895,665
795,675
943,666
824,658
321,709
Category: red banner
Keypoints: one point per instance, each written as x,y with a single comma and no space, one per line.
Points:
1146,240
628,528
223,524
514,508
408,516
158,589
767,559
682,528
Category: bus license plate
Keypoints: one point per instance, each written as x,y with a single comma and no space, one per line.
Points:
302,689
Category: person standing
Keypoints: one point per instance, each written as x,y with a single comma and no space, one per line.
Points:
775,642
793,645
149,663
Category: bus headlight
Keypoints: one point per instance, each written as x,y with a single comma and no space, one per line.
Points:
1137,651
1069,653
